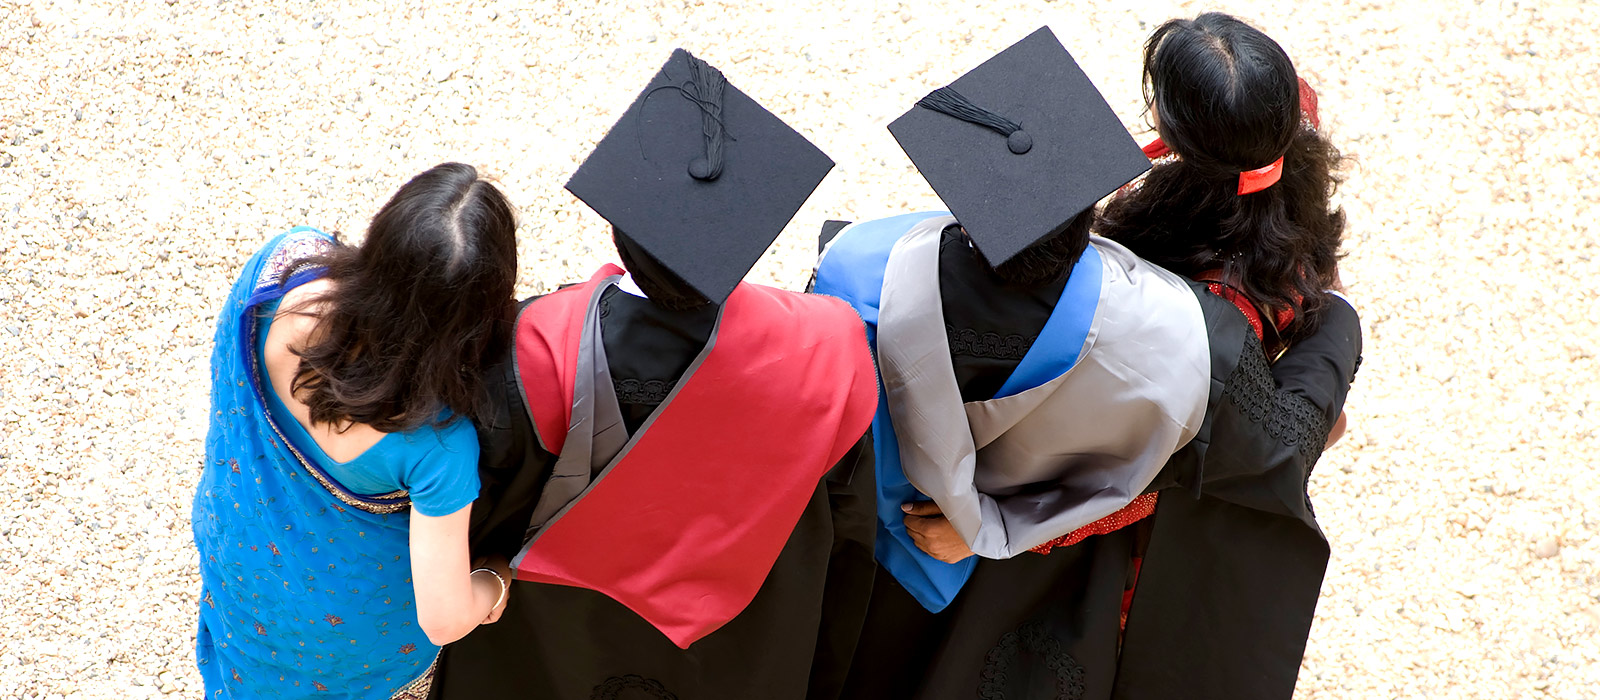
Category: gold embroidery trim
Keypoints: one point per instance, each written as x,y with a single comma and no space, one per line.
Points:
418,688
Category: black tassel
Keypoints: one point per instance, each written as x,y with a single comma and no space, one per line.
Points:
948,102
705,88
708,84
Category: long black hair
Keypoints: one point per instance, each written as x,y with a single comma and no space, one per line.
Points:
1226,99
414,312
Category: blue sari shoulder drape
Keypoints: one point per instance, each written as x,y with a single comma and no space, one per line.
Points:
305,586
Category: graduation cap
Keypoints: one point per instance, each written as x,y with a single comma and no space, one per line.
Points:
699,175
1019,146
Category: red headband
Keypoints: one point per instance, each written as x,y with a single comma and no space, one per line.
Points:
1249,180
1260,178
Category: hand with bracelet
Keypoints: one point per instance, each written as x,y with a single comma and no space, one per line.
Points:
455,593
496,571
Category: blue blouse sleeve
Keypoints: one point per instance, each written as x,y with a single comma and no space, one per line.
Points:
445,480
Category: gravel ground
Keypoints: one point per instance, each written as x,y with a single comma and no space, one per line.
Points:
147,148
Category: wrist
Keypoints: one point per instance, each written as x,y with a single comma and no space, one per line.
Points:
497,584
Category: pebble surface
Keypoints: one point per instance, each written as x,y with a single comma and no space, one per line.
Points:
147,148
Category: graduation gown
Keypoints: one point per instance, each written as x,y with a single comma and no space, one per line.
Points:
794,638
1235,559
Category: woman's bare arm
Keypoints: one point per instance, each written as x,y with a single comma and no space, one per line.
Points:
450,600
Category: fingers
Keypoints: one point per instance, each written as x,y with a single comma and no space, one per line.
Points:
498,610
917,528
922,508
503,567
937,538
914,525
948,555
924,543
925,526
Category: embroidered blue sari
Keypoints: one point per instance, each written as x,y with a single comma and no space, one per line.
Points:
305,586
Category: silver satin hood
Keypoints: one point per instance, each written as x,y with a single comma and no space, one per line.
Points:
1016,472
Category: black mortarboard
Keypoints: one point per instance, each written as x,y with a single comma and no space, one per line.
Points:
699,175
1019,146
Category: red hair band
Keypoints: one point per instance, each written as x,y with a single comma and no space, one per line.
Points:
1261,178
1251,181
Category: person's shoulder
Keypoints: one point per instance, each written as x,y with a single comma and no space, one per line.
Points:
458,437
873,238
1116,256
797,309
439,467
852,265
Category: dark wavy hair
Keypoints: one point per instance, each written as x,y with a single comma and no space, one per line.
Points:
413,313
1226,99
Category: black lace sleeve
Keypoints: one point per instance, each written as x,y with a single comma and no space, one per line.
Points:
1266,424
1285,415
1240,534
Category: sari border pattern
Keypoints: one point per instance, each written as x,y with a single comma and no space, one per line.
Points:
295,247
419,687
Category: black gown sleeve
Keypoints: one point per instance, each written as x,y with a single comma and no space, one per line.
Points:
1274,422
512,467
1235,563
852,488
1266,423
1321,368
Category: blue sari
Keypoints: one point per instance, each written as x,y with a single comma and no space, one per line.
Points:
305,586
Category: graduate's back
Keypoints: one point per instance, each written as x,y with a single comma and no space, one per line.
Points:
682,472
794,637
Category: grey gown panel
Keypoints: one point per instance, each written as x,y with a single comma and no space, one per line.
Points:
595,415
1015,472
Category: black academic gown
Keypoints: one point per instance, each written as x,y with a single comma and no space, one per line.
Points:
795,639
1234,559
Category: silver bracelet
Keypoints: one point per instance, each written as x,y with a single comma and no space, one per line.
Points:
503,585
